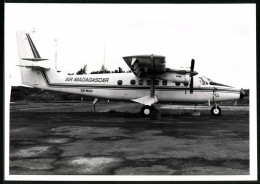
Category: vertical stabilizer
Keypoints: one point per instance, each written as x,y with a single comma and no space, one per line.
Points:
29,58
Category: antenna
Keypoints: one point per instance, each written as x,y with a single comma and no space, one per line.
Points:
104,54
56,54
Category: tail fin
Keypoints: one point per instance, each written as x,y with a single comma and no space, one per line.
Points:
27,49
30,59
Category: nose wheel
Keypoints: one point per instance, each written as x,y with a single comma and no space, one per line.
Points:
215,111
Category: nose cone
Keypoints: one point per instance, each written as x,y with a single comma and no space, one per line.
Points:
242,94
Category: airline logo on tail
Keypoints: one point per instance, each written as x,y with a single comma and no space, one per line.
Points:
36,54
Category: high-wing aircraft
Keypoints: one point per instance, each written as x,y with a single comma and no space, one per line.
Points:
150,81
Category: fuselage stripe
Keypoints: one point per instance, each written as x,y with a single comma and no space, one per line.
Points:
130,87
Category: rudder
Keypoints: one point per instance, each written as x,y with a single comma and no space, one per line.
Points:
29,58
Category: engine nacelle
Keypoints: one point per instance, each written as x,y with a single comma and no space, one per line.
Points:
174,77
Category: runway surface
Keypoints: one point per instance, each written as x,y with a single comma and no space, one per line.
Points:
58,141
118,107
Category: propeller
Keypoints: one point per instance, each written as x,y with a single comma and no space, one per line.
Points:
191,85
192,73
184,72
192,65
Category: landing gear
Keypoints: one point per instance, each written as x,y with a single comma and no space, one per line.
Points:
215,110
147,110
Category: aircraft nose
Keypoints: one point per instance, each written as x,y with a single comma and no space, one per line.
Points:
242,94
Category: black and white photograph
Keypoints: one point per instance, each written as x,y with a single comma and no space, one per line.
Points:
130,92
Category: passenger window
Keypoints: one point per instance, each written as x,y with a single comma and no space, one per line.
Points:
119,82
132,82
186,83
177,83
140,82
148,82
164,82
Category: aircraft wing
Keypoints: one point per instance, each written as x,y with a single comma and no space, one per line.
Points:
146,64
153,67
35,67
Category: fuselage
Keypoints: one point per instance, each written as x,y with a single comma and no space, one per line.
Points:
126,86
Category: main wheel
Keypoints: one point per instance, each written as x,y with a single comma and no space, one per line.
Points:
215,111
146,110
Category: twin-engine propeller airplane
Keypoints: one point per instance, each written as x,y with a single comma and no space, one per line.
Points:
150,81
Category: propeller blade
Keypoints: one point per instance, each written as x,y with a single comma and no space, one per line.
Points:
192,73
192,65
191,85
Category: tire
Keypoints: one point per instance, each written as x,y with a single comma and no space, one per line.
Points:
215,111
146,110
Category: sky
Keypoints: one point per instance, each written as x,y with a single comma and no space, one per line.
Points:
220,37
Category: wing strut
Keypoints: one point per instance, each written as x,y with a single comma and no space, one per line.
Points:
152,87
150,99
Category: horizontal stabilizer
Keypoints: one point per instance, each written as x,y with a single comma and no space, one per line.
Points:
34,59
35,67
146,100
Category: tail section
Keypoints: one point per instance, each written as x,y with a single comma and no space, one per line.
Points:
30,59
36,55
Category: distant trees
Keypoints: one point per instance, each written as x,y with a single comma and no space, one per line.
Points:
246,91
82,70
103,69
20,93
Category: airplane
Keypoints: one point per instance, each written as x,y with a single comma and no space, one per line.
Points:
150,81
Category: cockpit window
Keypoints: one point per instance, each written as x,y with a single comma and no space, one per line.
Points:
204,80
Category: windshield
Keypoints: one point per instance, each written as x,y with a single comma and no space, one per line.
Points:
207,81
204,80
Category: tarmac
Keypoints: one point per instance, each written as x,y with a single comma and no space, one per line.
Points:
72,139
